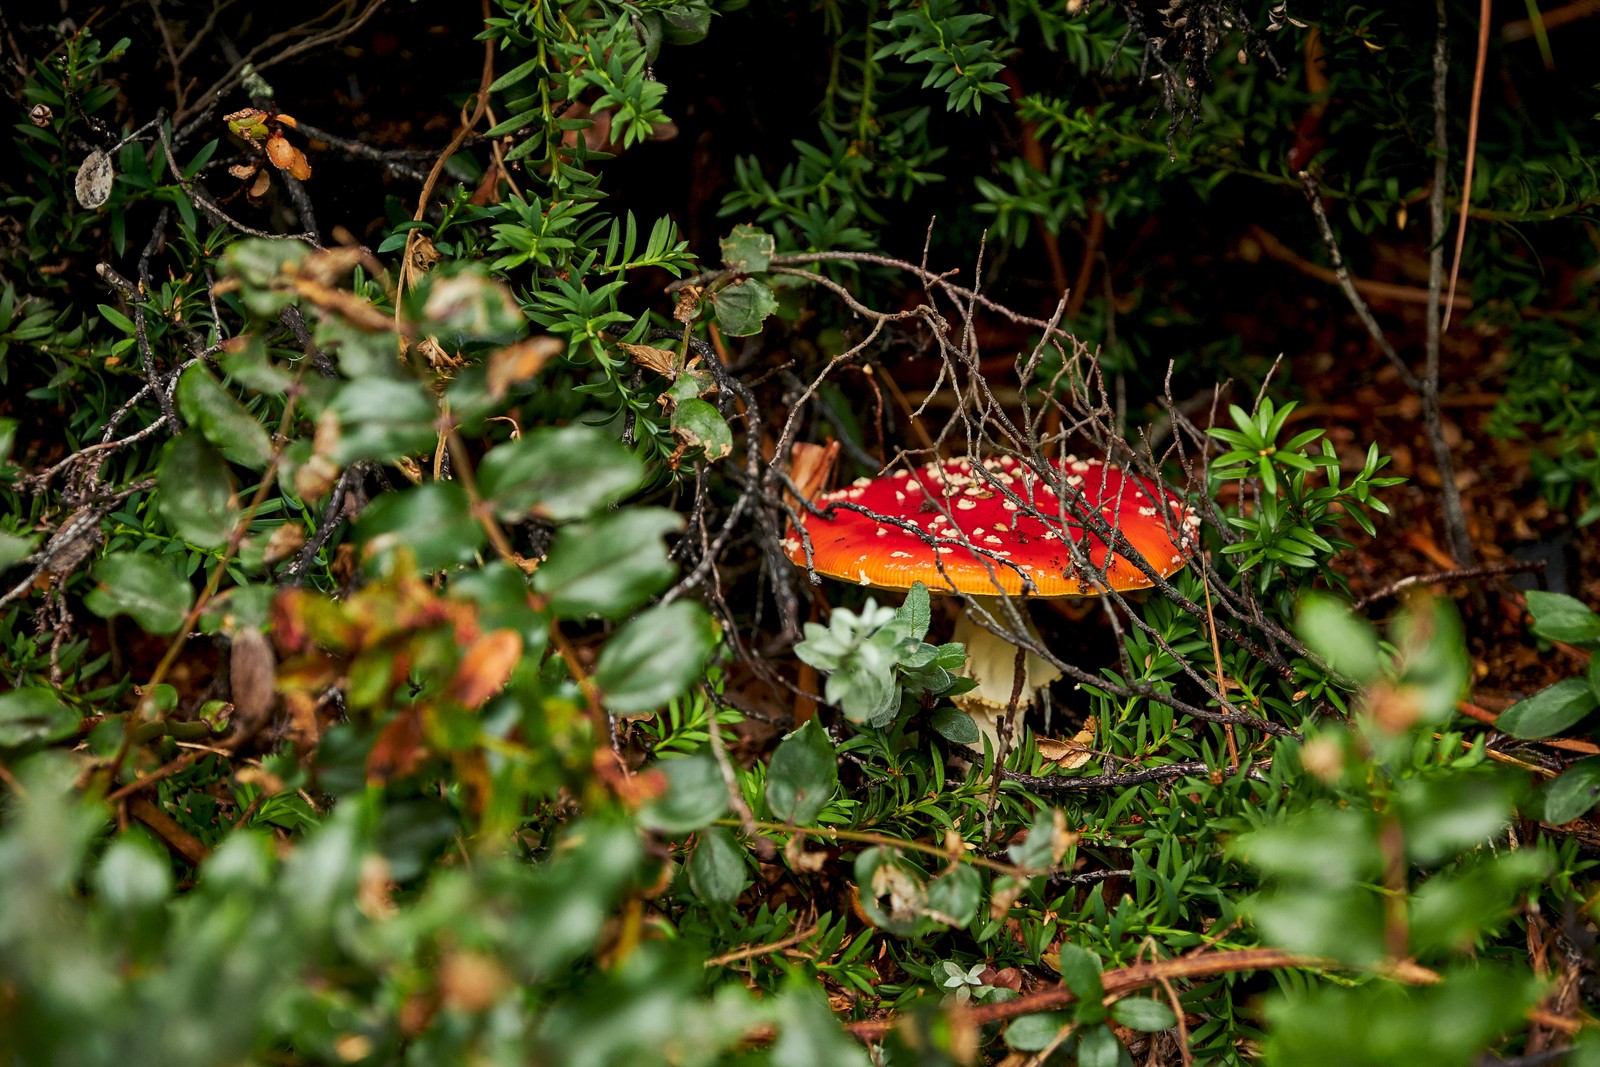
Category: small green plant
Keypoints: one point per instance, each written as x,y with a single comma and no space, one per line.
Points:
879,669
1281,523
1557,709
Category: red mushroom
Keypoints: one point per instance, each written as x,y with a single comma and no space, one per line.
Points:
989,534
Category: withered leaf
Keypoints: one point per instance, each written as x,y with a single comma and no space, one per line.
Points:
688,306
1070,754
398,750
485,667
521,361
252,674
651,358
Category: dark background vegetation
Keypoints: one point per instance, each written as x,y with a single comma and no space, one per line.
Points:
488,723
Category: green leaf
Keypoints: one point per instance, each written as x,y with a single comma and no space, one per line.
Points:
696,796
144,587
1434,652
655,656
565,473
8,430
195,493
1031,1033
954,896
132,876
716,870
382,419
1080,969
1574,793
915,612
866,693
34,714
610,566
1144,1013
747,249
1446,816
955,726
433,521
1557,617
802,775
697,424
809,1034
743,306
467,305
1348,645
15,548
687,22
1099,1047
1549,711
117,319
211,409
257,261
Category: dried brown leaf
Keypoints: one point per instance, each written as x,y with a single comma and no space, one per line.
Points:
521,361
485,667
651,358
252,675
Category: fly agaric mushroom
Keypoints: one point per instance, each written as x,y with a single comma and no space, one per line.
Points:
996,532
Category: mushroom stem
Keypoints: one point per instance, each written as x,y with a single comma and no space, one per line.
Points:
992,663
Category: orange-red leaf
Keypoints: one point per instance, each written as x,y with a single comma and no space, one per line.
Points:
485,667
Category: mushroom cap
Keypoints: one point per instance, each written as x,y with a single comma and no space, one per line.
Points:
963,530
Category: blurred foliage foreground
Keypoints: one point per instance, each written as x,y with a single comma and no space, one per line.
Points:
402,666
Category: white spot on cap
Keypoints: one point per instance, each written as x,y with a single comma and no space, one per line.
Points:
862,578
861,483
1147,512
899,555
966,504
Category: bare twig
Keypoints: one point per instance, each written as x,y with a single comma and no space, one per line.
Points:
1455,520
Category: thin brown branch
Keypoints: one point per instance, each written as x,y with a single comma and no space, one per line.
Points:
1472,154
1135,976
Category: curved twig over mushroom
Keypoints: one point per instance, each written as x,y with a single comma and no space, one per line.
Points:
991,532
